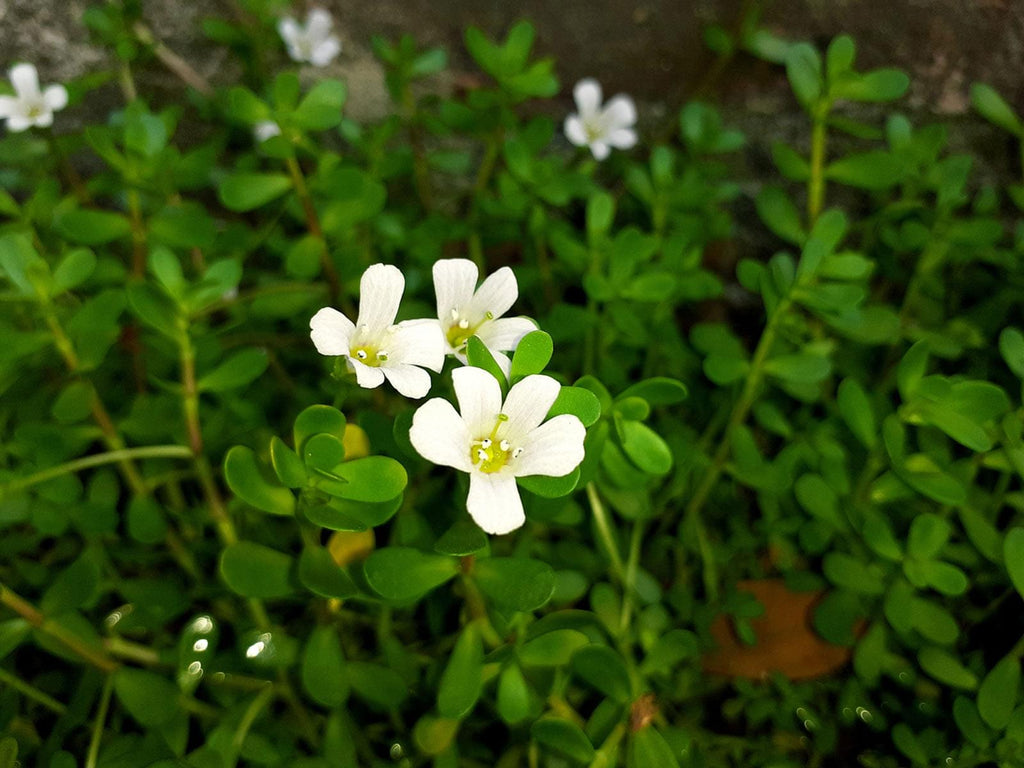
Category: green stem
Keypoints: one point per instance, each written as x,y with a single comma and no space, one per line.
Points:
604,530
138,227
313,225
816,182
66,637
251,713
99,459
420,169
31,692
98,723
632,565
605,757
692,516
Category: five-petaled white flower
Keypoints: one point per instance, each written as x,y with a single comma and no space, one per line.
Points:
265,129
465,310
312,43
30,105
497,442
597,128
375,346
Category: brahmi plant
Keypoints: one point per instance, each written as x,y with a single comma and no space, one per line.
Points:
497,432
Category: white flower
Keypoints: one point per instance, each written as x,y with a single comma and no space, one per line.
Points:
597,128
312,43
265,129
497,442
376,348
465,310
30,106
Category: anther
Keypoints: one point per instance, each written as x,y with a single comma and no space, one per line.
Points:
361,354
503,445
517,453
455,314
463,323
382,356
482,454
485,443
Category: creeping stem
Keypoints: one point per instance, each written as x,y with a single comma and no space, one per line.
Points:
819,137
313,225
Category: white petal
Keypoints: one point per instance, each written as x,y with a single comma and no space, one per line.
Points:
331,332
527,404
265,129
619,113
380,291
16,123
318,25
503,362
479,396
495,295
367,376
56,97
325,52
25,80
290,31
8,106
587,94
494,502
622,138
600,150
43,119
554,448
504,333
439,435
418,342
407,380
574,131
454,283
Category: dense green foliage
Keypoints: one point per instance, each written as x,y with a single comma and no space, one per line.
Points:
218,550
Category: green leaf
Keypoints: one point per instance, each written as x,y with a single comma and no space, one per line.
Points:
515,583
848,572
563,737
479,356
840,56
323,668
320,109
287,465
76,586
603,668
244,106
790,163
404,573
323,452
645,447
151,699
780,214
674,646
73,270
373,479
912,369
88,227
242,192
434,735
802,368
239,370
550,487
1013,554
462,680
20,262
855,408
552,649
817,497
463,538
659,390
876,85
74,403
532,354
578,401
648,749
253,570
933,622
245,479
994,108
803,68
514,700
153,308
1011,347
13,633
997,696
928,536
377,684
945,668
906,742
321,575
873,170
315,420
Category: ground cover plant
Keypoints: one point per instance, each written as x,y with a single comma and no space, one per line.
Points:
481,437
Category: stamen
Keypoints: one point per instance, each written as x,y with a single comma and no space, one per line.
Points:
503,445
489,315
486,443
482,455
455,314
517,453
361,354
463,323
382,356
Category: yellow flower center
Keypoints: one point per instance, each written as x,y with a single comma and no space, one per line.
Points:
460,331
369,355
490,454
